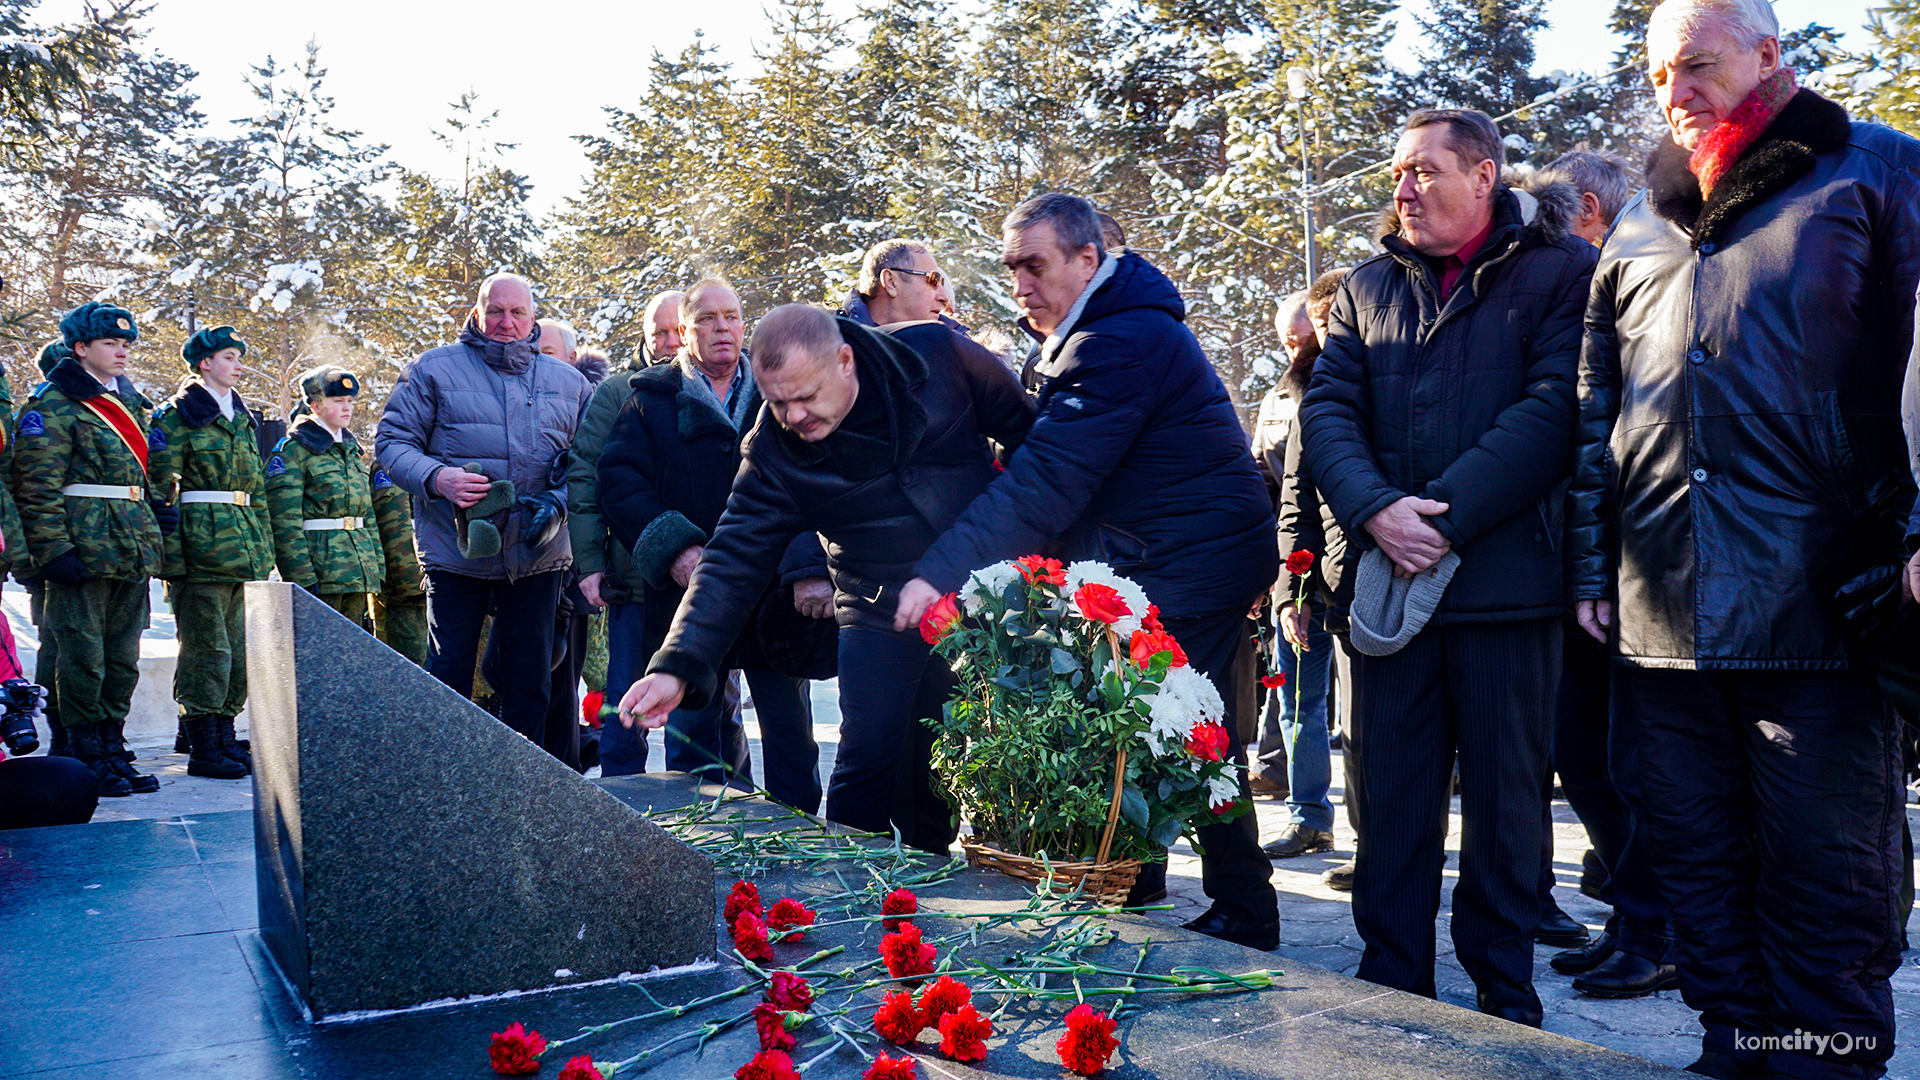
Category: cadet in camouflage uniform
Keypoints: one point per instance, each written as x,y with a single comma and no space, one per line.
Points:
80,479
400,607
325,535
19,562
206,442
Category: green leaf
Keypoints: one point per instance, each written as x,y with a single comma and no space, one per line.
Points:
1133,806
1064,661
1165,831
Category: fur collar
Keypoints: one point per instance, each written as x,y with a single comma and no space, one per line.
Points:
313,435
899,376
197,408
71,379
1809,126
695,414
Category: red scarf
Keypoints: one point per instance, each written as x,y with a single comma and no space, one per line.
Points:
1722,146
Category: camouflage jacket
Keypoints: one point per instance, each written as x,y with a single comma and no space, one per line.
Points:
192,447
393,511
15,556
63,441
311,476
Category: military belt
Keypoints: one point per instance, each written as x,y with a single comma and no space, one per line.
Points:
104,491
323,524
224,498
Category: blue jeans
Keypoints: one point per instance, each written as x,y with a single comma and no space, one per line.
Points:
1297,740
623,750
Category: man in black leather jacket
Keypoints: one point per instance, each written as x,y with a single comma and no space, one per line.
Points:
1740,457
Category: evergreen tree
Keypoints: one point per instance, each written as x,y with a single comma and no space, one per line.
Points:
1479,54
1883,81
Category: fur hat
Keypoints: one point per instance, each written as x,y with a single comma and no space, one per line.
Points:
329,380
52,353
93,321
208,342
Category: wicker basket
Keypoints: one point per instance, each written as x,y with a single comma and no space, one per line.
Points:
1106,882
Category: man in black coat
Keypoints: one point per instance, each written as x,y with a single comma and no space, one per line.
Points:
1440,420
664,475
875,441
1137,460
1740,458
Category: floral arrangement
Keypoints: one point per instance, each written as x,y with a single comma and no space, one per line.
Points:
1069,686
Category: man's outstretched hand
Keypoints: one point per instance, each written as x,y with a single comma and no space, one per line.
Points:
1595,617
915,598
650,700
1402,531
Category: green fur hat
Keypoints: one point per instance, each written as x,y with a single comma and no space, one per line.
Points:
94,321
52,353
329,380
208,342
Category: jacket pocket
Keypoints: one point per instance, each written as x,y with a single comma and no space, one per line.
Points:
1123,551
1836,444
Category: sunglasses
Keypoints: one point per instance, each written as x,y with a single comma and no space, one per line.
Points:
934,277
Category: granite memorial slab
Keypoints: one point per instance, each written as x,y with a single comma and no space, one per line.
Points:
410,848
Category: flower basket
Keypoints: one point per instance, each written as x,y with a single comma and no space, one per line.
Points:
1107,882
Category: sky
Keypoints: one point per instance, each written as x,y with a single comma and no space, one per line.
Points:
551,67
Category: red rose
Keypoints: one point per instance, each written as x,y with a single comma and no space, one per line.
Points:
1300,562
516,1051
590,708
788,914
940,619
771,1021
1101,603
790,992
886,1068
962,1034
904,953
944,996
768,1065
1152,621
897,1020
1226,808
1273,682
1147,644
899,902
1088,1042
744,897
580,1068
1042,571
750,937
1208,742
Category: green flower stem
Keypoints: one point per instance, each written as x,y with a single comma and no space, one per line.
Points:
675,1011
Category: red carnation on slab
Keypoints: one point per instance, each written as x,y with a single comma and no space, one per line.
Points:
750,937
743,897
897,1020
940,619
790,914
1147,644
770,1021
899,902
886,1068
790,992
945,995
1300,562
1208,742
516,1051
963,1033
1273,682
1042,571
581,1068
905,954
1100,603
1089,1040
768,1065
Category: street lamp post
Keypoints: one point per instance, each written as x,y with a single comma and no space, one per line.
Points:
1300,87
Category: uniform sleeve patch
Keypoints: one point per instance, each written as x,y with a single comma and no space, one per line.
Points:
156,439
276,465
32,423
381,479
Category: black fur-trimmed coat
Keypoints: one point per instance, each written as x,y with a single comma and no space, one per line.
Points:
1740,454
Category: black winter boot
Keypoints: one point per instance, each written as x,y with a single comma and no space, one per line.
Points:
182,744
57,743
209,759
113,743
230,746
87,748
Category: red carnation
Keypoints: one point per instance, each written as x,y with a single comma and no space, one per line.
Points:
899,902
1226,808
940,619
516,1051
886,1068
904,953
962,1034
750,937
744,897
768,1065
897,1020
1300,562
1147,644
771,1021
1273,682
944,996
1100,603
1152,621
789,914
590,711
1042,571
1088,1042
1208,742
790,992
580,1068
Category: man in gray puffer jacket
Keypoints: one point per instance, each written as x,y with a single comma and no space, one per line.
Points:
482,427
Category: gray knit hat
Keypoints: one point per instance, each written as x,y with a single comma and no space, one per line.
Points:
1387,611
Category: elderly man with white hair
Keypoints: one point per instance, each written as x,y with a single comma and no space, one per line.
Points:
1739,461
477,432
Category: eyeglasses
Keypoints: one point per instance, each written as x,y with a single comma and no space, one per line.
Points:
935,278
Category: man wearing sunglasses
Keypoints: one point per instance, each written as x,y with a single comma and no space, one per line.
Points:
899,283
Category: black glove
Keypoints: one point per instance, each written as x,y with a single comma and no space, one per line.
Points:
546,516
66,570
168,517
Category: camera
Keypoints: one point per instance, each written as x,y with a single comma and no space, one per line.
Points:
21,703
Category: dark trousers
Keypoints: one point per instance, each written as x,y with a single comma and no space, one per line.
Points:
623,750
1774,800
39,791
882,774
1234,873
783,707
561,735
1483,691
523,626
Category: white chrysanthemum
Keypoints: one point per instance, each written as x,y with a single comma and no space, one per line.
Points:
1222,789
1099,573
1185,698
986,584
